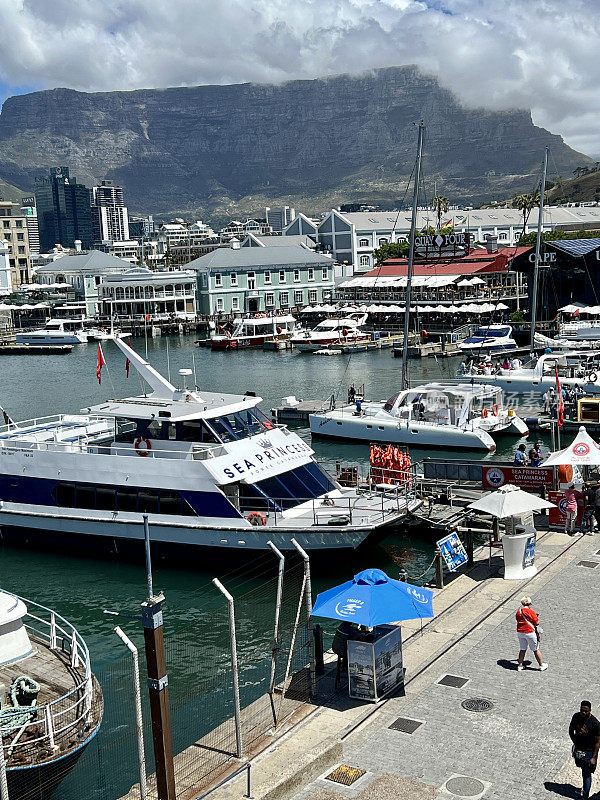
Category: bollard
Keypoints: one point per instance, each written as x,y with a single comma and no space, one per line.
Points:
319,659
470,561
439,569
403,576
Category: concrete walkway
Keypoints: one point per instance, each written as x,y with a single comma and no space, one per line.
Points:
517,749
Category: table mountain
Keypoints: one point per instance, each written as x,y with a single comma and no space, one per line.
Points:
313,143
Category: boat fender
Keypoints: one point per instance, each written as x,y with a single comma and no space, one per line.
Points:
424,334
345,332
279,329
495,409
593,377
256,518
484,413
142,446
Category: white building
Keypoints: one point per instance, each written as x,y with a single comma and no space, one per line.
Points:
279,218
109,214
352,237
141,292
5,272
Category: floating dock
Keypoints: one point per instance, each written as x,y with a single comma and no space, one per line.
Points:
298,411
34,349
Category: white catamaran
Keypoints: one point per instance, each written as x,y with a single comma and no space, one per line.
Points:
208,468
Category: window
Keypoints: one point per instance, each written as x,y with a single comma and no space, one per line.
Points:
325,273
365,261
220,305
6,224
281,276
218,279
267,277
284,299
382,241
363,242
296,276
270,299
20,237
19,223
22,250
311,274
313,295
298,297
235,303
502,236
251,281
233,279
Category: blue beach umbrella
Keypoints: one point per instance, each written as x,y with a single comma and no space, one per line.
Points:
372,598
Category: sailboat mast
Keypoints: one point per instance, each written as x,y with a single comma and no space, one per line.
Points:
411,256
536,266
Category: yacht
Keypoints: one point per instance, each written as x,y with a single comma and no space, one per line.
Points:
464,416
490,339
254,332
331,332
574,367
51,701
209,469
56,331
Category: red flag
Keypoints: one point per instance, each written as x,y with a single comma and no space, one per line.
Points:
560,408
127,362
101,363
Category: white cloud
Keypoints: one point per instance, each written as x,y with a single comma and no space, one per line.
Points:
540,54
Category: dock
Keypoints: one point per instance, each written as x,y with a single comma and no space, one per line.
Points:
298,411
34,349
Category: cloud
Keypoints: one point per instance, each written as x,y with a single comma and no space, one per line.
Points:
540,54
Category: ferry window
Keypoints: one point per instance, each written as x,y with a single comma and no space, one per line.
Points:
148,502
170,502
222,429
105,498
195,431
85,496
390,403
126,499
65,494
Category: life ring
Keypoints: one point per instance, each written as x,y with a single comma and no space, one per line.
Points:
484,413
142,446
593,377
256,518
424,334
279,329
495,409
345,332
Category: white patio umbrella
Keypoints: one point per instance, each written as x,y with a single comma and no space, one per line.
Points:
509,501
476,280
502,307
582,452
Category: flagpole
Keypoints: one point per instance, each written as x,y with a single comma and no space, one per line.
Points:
536,266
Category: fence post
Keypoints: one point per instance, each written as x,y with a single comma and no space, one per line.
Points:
439,569
234,667
3,781
50,728
74,653
276,644
135,674
308,596
470,561
52,631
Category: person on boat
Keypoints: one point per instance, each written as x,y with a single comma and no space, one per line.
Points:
506,363
462,369
521,456
535,455
351,393
516,363
358,406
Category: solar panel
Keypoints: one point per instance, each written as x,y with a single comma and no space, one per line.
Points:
577,247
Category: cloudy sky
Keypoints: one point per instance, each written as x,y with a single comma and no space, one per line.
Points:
538,54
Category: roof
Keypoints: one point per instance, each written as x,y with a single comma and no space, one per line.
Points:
94,260
576,247
476,261
229,258
283,241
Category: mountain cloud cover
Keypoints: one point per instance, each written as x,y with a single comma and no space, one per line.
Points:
540,54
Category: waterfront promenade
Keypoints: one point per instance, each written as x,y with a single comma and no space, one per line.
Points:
519,748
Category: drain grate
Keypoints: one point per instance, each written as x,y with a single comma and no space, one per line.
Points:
405,725
453,680
463,786
590,564
477,704
345,775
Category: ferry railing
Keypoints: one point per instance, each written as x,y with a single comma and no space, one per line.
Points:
53,721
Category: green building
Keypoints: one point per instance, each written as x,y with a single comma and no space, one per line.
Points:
248,280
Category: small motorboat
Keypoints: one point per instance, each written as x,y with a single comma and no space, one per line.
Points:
56,331
254,332
332,333
489,339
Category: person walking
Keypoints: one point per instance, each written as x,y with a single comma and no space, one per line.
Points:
584,731
528,632
571,498
589,509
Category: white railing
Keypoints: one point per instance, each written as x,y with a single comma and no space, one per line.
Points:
54,721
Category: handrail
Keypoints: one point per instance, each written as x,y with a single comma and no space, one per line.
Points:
74,705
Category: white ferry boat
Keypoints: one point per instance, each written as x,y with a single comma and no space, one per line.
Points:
56,331
330,333
575,367
208,468
254,332
439,415
490,339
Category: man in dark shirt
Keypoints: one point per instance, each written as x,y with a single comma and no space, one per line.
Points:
589,509
584,731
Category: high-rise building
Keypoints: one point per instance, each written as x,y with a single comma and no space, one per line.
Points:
64,212
279,218
29,211
13,230
109,215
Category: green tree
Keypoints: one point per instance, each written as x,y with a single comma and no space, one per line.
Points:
390,250
526,203
440,205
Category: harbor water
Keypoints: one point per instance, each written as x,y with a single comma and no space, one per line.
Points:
81,587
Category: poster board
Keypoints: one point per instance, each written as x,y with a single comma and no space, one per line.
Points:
530,479
529,553
389,671
361,670
453,552
375,668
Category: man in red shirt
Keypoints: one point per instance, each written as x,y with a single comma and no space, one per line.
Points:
528,633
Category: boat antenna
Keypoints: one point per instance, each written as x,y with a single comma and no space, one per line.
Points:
411,256
536,266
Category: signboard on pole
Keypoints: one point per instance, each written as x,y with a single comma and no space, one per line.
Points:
530,479
453,552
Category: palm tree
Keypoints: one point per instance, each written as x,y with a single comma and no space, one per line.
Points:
526,203
440,205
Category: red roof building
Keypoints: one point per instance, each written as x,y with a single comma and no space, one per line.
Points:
477,261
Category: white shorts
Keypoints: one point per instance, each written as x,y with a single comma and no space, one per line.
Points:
528,640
